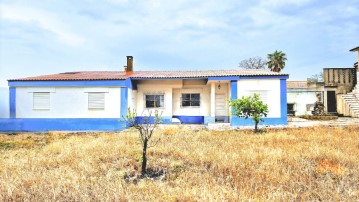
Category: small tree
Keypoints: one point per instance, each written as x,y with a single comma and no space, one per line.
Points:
145,127
253,63
315,78
251,106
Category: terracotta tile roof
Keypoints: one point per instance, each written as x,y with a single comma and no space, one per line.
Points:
120,75
71,76
202,73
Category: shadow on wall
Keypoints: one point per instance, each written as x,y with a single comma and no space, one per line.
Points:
4,102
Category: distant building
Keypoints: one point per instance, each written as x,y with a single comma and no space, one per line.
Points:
338,92
302,95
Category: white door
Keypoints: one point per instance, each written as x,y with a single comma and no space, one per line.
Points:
221,106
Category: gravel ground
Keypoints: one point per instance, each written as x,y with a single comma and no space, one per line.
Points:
294,122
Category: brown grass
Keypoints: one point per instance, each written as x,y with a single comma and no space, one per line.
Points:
279,165
322,118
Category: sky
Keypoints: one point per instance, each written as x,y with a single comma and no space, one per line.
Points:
48,36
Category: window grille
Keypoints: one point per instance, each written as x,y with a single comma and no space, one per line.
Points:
190,100
155,101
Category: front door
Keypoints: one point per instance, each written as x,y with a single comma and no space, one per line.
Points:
331,101
221,108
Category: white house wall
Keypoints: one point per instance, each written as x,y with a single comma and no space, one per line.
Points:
301,99
272,86
4,102
173,89
202,110
68,102
155,87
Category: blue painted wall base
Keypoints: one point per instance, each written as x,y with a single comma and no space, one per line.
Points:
65,124
190,119
143,119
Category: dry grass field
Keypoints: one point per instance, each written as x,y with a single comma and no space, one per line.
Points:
278,165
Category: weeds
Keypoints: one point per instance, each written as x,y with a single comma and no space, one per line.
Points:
307,164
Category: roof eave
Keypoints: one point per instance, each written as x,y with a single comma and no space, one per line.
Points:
52,80
354,49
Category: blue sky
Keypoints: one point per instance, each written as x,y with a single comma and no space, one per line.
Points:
48,36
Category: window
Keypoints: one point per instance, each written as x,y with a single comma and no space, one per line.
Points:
96,101
155,101
41,101
291,109
263,95
190,100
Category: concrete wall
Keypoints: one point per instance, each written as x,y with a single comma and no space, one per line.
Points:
272,86
4,102
68,102
300,99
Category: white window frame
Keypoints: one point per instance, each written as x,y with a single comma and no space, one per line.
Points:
154,94
96,101
41,101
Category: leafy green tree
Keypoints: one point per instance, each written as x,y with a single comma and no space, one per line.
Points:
145,127
251,106
276,61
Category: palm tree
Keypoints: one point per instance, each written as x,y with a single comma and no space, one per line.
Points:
276,61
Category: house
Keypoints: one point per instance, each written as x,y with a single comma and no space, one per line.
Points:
96,100
302,96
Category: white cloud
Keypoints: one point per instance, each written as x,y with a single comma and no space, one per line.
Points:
44,20
116,2
189,32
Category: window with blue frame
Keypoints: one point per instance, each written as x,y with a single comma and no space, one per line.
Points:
155,101
190,100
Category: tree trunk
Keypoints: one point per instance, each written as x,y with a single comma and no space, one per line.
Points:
256,127
144,157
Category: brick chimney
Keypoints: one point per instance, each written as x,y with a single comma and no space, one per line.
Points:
129,67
